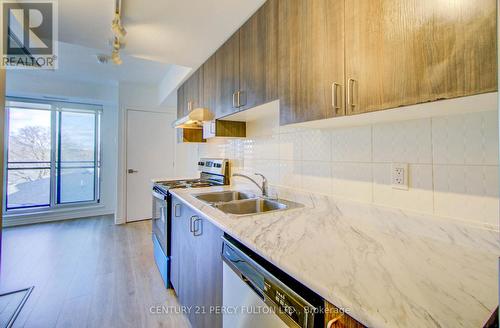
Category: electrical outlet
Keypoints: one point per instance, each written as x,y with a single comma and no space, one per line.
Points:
399,176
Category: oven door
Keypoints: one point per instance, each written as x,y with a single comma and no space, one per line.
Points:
160,220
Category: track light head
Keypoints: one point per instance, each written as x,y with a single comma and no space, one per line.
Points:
115,57
117,27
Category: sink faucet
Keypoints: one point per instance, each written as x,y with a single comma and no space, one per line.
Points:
264,188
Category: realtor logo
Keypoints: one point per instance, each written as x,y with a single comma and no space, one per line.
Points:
29,31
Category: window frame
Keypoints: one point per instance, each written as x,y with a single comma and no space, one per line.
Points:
56,111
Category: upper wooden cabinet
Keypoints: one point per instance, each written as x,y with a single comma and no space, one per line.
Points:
311,59
193,90
259,57
180,101
328,58
209,84
227,76
413,51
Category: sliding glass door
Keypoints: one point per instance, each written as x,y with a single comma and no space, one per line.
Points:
52,155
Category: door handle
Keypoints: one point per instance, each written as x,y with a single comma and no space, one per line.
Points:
234,99
191,223
350,93
176,210
242,98
132,171
335,102
197,227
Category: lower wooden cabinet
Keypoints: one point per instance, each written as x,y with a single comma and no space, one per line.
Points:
335,318
196,265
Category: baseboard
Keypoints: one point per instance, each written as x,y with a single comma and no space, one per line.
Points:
50,217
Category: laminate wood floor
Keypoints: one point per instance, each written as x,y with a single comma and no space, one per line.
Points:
87,273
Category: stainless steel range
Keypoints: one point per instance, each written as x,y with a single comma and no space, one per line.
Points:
214,172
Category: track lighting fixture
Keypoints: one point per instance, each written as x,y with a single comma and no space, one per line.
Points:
117,27
115,57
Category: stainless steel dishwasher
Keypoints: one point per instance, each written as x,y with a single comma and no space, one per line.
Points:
254,297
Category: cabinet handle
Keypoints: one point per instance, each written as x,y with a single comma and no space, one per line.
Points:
238,97
335,102
177,210
234,99
334,320
191,224
198,228
190,106
350,93
212,127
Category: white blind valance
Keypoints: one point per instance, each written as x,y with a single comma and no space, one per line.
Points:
45,104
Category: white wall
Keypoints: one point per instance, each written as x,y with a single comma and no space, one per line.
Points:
41,84
136,97
453,161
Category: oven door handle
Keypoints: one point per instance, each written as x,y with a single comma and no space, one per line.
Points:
159,196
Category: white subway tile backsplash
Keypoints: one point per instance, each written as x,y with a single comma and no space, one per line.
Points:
317,177
453,162
466,139
270,169
408,142
467,191
266,147
316,145
352,145
353,180
290,174
290,147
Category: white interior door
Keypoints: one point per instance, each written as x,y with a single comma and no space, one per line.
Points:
150,155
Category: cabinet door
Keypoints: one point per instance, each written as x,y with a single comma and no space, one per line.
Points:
335,318
193,90
182,260
227,75
176,244
180,101
413,51
208,273
259,57
311,59
210,84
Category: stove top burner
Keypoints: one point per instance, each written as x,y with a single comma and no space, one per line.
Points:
191,183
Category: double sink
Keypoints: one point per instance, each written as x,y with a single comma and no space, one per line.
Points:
243,203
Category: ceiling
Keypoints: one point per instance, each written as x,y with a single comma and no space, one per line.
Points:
81,63
180,32
78,63
165,38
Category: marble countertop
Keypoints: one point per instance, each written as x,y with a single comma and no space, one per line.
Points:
385,267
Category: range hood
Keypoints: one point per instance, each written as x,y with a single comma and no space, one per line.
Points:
194,120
